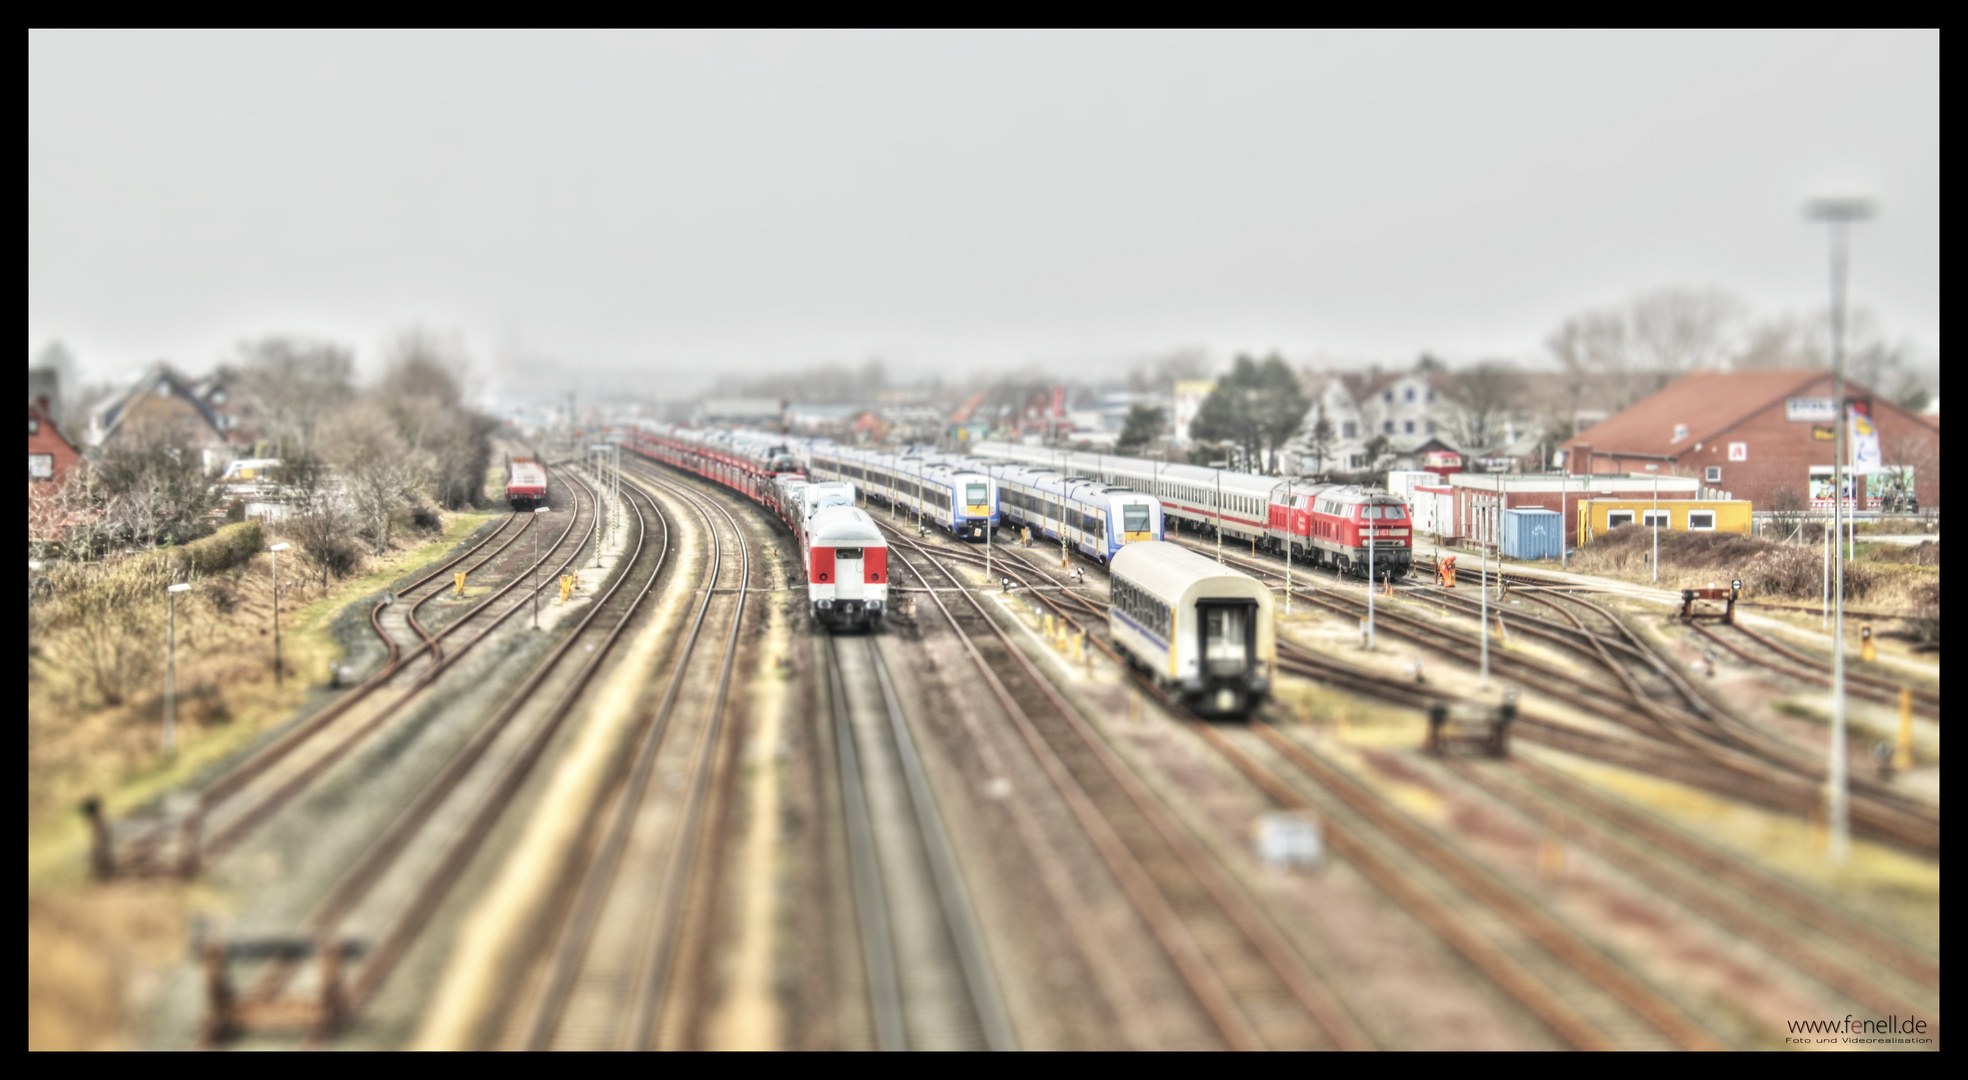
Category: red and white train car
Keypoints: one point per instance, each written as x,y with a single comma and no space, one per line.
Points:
526,483
846,559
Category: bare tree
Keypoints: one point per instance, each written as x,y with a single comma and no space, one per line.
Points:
154,489
1620,355
1320,441
378,471
1480,400
297,383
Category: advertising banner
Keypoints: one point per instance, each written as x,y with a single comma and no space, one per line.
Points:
1862,437
1888,489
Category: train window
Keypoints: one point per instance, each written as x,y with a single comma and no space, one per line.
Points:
1394,513
1135,518
1226,633
978,494
1616,518
847,553
1701,520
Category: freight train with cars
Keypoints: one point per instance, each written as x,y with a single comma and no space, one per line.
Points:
842,551
1355,530
1202,631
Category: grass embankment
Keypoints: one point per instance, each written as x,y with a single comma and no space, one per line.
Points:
95,955
96,677
1902,578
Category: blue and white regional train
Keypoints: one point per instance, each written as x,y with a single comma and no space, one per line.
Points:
1097,518
940,490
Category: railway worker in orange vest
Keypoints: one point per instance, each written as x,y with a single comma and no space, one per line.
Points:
1445,571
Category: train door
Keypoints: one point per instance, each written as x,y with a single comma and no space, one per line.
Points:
847,573
1228,630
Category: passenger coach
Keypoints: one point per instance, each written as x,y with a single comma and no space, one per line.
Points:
1202,630
1095,517
846,567
1326,524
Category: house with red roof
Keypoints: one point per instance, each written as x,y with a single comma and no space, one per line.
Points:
1757,434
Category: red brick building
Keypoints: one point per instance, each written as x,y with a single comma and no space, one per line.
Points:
1756,434
50,459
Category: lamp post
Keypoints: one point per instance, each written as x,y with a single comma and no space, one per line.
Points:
1839,215
276,550
1219,512
1368,516
1654,516
171,672
536,565
1291,539
1483,605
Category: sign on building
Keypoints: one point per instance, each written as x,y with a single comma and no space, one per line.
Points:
1810,410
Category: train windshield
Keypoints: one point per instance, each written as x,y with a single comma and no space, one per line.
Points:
1134,518
847,553
977,494
1392,513
1227,638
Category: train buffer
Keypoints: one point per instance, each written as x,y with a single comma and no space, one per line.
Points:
317,1011
1691,598
1472,726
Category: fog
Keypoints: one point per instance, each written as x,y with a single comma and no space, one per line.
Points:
660,209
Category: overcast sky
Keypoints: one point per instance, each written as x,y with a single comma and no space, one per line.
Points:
672,206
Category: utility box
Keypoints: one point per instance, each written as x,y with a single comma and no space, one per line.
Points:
1532,534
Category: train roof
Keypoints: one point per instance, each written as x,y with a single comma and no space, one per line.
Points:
526,472
1172,572
843,525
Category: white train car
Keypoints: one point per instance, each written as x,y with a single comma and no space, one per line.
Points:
846,567
1203,631
1201,498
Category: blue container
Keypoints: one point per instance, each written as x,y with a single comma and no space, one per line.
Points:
1532,534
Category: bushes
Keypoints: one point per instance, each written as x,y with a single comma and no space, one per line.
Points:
221,551
1767,569
1797,572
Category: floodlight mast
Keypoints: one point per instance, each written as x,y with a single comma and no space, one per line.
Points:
1839,215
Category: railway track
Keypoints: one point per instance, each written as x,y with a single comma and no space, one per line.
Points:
930,977
620,960
1583,995
251,792
1767,770
1252,986
392,890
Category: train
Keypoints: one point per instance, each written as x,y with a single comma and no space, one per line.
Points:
1355,530
1095,517
1201,630
842,550
526,483
940,490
